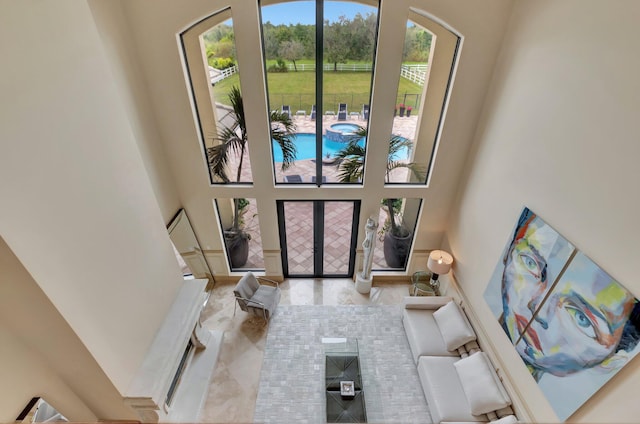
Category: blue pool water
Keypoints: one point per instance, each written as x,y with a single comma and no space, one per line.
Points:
306,147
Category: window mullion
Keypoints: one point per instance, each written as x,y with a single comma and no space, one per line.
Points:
319,84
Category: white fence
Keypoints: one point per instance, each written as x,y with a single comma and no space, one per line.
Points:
216,75
414,73
356,67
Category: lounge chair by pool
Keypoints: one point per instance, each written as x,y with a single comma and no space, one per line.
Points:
295,178
365,112
342,112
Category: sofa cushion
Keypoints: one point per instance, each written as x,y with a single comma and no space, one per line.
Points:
482,387
454,326
425,302
443,390
423,334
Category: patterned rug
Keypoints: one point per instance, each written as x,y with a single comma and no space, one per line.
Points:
292,376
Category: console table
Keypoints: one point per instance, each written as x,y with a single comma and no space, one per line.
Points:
342,365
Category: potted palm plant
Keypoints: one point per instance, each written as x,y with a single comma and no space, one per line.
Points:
232,140
397,237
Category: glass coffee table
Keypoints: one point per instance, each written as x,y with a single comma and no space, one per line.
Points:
343,381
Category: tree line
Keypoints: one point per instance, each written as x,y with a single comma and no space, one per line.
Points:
346,39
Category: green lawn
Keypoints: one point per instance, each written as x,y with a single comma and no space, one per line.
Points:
297,89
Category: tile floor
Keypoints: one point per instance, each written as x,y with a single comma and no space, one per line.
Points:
234,385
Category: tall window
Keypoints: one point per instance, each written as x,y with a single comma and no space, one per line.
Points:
216,83
242,240
318,67
421,100
404,165
398,221
228,154
326,92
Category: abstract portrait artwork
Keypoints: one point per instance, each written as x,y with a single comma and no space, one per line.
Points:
573,325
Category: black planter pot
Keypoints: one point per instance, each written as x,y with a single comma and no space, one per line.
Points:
237,249
401,112
396,249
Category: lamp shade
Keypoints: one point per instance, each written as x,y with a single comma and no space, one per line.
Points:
439,262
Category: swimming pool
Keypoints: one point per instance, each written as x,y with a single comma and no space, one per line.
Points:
341,132
345,128
306,147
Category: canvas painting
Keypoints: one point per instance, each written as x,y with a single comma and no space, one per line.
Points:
572,324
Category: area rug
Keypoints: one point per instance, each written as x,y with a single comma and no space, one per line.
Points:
292,376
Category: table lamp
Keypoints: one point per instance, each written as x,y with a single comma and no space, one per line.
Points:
439,263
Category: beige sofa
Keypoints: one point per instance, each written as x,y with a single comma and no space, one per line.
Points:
458,380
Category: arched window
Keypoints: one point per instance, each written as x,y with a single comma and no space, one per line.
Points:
362,105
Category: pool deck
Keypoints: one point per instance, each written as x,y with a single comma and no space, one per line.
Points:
405,127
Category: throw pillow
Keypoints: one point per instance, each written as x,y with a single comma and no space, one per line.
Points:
481,384
454,326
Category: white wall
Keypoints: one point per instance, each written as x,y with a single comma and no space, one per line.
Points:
78,208
560,135
111,23
29,376
40,355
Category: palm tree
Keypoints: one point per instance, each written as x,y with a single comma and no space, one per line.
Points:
233,139
351,164
351,169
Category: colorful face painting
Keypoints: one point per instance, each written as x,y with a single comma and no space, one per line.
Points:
572,324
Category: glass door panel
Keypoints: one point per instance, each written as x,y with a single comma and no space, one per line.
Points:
318,238
338,224
299,247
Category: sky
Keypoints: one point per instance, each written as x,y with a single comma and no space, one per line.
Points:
304,11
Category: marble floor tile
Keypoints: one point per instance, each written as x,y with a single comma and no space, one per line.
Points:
234,384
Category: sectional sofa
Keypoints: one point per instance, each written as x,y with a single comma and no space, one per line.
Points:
459,382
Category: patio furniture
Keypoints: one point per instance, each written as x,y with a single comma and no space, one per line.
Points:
255,298
365,112
313,113
286,109
342,112
295,178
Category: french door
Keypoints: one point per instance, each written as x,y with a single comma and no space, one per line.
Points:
318,237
